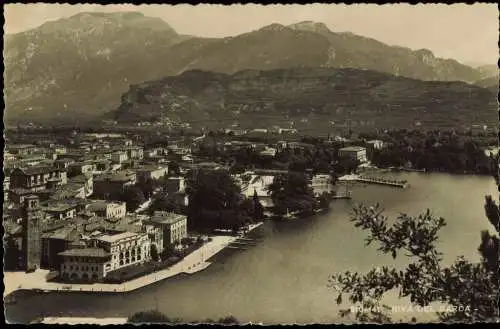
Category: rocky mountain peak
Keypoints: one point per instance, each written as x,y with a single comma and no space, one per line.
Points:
310,26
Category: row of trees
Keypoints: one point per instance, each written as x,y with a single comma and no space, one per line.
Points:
433,151
156,317
451,158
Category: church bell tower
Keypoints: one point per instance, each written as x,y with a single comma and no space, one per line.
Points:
31,224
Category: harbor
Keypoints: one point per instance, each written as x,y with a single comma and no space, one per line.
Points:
290,262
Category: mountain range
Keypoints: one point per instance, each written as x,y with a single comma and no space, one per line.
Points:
77,68
307,98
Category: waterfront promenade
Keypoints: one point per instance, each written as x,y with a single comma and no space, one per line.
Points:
192,263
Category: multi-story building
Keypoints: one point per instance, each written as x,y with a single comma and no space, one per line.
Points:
356,153
37,178
60,210
6,187
63,163
56,242
22,149
126,248
135,152
375,144
109,185
151,172
174,226
119,157
81,168
84,264
85,180
102,165
105,253
155,235
108,209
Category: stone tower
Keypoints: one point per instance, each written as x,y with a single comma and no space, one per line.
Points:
31,223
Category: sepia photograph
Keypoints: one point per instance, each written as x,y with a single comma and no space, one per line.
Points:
251,164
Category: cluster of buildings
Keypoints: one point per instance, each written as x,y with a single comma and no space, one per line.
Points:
61,207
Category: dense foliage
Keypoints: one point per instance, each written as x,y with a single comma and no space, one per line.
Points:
292,193
469,291
12,254
154,316
133,197
215,202
434,151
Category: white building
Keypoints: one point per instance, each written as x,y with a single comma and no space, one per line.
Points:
119,157
357,153
375,144
108,209
152,172
174,226
268,152
126,249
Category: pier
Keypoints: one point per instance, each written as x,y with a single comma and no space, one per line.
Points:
375,180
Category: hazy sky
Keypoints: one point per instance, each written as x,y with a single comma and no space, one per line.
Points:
467,33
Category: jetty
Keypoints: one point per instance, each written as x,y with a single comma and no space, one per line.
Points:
375,180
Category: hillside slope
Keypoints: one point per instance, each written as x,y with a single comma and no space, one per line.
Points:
311,98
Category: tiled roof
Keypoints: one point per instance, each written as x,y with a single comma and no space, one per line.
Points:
86,252
37,170
65,233
352,149
117,237
166,218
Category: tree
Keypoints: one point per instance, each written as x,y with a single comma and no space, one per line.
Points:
151,316
345,165
154,252
133,197
471,289
228,320
154,316
12,253
147,187
173,168
214,201
324,200
258,209
165,202
291,192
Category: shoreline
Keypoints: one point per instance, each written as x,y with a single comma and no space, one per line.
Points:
195,262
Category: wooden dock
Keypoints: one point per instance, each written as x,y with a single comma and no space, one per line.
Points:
375,180
383,181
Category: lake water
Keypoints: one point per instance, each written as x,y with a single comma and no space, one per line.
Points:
283,278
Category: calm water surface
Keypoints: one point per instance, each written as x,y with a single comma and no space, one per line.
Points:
283,278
